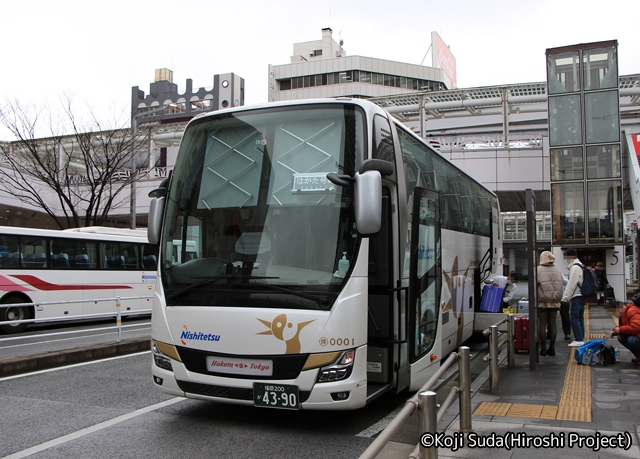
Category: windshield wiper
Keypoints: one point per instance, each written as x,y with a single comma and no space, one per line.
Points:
200,283
321,300
205,280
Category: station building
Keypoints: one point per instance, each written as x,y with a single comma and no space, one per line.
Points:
572,140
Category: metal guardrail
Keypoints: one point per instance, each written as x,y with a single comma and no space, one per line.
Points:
495,343
118,313
428,416
425,399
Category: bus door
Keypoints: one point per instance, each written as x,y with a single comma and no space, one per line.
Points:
425,279
382,334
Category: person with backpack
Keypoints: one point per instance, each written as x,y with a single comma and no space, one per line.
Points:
550,285
573,295
628,328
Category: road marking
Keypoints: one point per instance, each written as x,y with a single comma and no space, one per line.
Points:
379,426
89,430
92,362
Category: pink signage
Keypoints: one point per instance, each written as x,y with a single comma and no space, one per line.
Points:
443,59
635,138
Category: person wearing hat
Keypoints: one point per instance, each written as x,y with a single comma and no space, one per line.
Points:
628,328
550,286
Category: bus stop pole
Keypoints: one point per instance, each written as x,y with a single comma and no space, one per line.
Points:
532,258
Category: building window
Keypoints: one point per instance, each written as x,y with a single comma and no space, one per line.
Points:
568,213
565,120
355,76
600,69
605,211
601,116
563,72
316,53
198,105
285,85
603,161
149,109
566,164
175,107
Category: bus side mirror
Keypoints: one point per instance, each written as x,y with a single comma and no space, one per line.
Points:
368,193
154,226
368,202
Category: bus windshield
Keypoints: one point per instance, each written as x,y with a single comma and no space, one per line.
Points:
251,218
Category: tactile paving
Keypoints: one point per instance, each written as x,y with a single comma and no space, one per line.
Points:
575,400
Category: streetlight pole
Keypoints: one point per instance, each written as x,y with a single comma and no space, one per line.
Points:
132,196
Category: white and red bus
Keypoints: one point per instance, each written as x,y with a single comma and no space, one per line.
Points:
41,266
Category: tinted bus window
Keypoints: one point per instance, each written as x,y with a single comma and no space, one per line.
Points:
73,254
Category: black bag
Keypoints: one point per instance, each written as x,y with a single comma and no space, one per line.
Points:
609,293
607,355
589,281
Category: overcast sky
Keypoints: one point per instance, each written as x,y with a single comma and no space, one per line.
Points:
96,51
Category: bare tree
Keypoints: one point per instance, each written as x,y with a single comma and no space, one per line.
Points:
77,173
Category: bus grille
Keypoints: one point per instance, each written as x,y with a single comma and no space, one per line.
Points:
284,366
233,393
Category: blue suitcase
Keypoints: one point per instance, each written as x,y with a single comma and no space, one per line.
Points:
491,299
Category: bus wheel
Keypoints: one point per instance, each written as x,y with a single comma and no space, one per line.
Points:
13,312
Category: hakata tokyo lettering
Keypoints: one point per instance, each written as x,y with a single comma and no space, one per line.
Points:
196,336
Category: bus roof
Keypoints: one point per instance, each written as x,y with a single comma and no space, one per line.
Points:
95,234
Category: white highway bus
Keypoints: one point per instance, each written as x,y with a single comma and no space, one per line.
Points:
83,264
340,257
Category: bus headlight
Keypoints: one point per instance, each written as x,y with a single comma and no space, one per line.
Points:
340,369
161,353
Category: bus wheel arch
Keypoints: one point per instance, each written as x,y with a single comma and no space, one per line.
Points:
10,310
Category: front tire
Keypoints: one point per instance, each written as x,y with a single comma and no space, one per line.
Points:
9,310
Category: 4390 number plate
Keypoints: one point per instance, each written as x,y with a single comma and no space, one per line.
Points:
276,396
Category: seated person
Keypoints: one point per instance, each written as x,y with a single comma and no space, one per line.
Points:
628,329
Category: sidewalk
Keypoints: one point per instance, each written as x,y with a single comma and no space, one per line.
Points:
568,406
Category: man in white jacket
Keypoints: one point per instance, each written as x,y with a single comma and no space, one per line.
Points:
573,295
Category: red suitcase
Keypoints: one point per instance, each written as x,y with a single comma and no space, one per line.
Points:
521,333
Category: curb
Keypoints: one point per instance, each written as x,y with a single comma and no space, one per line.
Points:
19,365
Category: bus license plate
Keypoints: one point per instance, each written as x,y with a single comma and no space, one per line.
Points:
276,396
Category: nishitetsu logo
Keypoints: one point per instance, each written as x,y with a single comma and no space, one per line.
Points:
149,278
196,336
